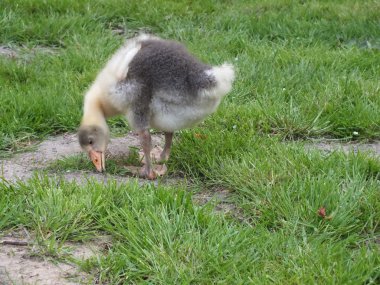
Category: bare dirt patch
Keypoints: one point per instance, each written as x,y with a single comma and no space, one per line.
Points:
24,53
372,148
20,265
218,195
221,199
6,51
22,166
17,266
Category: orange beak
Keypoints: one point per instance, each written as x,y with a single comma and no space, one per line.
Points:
98,159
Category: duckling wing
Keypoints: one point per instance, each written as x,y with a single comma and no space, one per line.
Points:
176,89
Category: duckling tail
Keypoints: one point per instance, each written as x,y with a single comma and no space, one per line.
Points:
224,76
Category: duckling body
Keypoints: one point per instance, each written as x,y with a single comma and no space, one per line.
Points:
157,84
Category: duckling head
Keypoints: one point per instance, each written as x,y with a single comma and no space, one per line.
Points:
94,140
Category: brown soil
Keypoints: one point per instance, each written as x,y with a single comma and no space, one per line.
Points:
25,53
6,51
21,264
23,166
372,148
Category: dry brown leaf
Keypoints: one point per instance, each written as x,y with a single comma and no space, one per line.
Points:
200,136
322,212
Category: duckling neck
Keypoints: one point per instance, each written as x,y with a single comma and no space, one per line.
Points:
93,113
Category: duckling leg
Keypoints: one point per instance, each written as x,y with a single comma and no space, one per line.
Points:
146,142
166,151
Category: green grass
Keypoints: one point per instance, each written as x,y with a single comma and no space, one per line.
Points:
305,69
159,236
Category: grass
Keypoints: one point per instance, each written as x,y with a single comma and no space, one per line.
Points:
305,69
159,236
115,165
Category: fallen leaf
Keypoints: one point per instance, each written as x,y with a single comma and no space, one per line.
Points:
200,136
322,212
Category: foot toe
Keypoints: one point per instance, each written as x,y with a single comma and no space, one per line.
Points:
148,174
